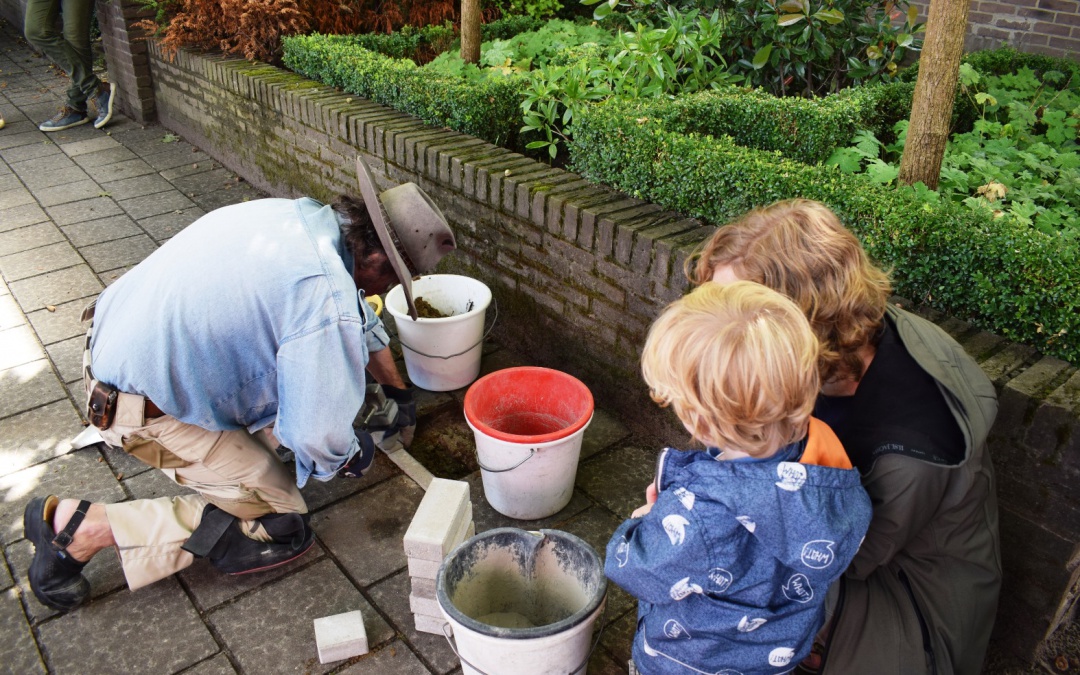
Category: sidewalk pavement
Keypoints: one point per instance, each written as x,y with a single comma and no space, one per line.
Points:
80,207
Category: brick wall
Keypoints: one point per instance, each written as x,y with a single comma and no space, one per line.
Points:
1037,26
126,55
580,271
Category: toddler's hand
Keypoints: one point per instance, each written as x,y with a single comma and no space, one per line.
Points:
642,510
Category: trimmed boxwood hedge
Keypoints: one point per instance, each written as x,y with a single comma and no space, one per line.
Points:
1006,60
489,109
1007,278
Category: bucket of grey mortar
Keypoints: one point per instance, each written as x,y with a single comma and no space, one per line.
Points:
522,603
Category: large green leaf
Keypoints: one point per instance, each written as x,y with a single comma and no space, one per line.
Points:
762,57
789,19
830,16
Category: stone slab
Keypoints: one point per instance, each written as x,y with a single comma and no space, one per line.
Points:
30,237
82,211
6,580
364,532
340,637
136,186
168,225
39,434
442,515
219,665
487,518
11,314
411,467
19,345
392,658
118,253
392,597
91,145
92,160
64,194
604,430
129,632
102,229
67,358
422,587
18,651
120,170
152,485
318,494
286,610
56,288
62,322
635,468
19,196
153,205
39,261
80,474
21,216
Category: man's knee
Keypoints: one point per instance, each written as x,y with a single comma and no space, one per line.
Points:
37,35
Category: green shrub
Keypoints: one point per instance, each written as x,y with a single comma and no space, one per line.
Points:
509,26
487,109
408,42
1008,278
1006,60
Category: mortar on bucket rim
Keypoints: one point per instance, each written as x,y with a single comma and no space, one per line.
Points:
522,602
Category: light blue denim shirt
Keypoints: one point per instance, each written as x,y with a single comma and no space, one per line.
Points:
246,318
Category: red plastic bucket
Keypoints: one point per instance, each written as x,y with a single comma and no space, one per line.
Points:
528,424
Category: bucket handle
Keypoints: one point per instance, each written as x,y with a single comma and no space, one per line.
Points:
532,451
580,668
495,304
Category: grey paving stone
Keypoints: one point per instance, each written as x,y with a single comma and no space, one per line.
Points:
487,518
80,474
177,156
26,238
364,532
10,313
166,142
392,658
134,132
153,205
118,253
46,178
67,356
77,393
104,157
9,181
16,197
23,388
137,186
82,211
603,431
27,152
122,170
167,225
39,261
61,323
124,627
189,169
392,597
56,288
635,468
18,651
211,588
79,134
219,665
21,216
88,146
318,494
6,581
54,162
103,572
601,663
102,229
18,345
122,463
63,194
209,181
287,610
14,140
219,198
596,526
153,484
111,276
618,637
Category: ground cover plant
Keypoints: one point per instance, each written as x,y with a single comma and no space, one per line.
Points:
1020,161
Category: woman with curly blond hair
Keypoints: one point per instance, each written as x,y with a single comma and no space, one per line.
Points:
913,411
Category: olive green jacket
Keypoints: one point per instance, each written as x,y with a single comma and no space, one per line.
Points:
921,594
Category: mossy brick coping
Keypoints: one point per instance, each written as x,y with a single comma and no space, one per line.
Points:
580,270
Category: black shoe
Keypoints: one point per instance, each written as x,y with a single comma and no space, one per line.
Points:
65,119
220,538
55,577
104,102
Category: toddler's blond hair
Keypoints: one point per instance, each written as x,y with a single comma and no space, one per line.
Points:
737,363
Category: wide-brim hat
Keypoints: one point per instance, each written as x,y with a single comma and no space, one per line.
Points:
411,228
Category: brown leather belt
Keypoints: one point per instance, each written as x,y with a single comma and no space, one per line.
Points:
151,411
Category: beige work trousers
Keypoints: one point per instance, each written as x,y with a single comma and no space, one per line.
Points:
238,472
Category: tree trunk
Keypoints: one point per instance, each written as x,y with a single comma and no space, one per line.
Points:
931,108
470,31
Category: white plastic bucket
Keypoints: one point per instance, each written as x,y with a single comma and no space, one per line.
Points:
528,423
442,354
522,603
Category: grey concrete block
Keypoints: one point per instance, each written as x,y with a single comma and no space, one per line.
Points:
62,322
56,288
67,358
136,186
19,345
39,261
38,434
425,569
118,253
635,468
210,588
422,587
82,211
102,229
153,205
21,216
443,514
64,194
392,597
167,225
10,313
424,606
30,237
18,651
394,657
432,624
25,387
340,637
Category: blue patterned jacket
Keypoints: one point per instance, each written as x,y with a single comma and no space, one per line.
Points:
732,564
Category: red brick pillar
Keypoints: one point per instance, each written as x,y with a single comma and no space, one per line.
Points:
127,56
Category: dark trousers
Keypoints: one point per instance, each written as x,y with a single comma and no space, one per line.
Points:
70,50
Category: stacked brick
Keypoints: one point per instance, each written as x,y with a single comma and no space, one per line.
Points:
1049,27
443,520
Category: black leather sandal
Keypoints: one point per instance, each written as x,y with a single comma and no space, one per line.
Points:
55,577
